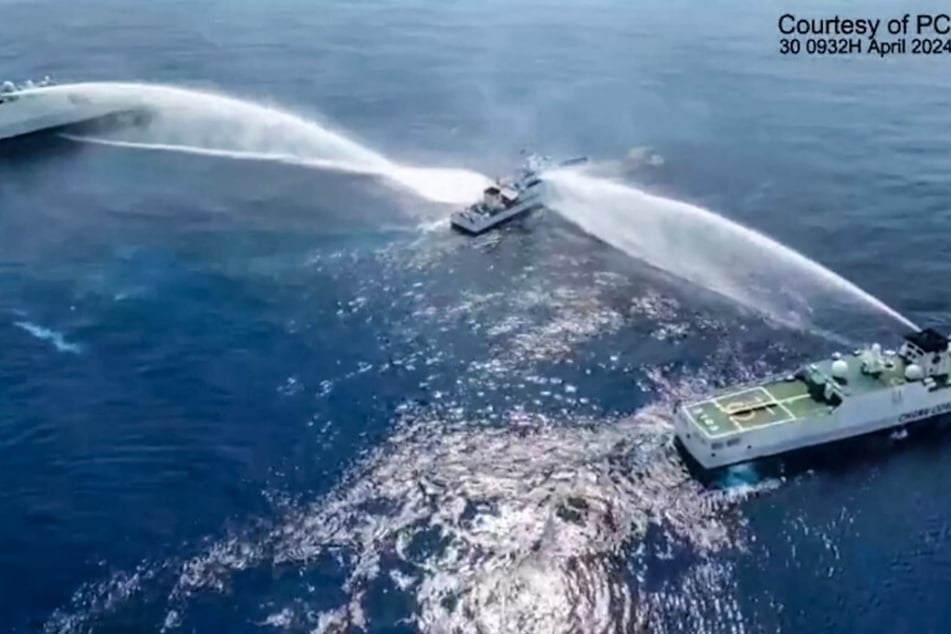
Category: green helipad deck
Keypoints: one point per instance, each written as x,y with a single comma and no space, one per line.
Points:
840,397
786,399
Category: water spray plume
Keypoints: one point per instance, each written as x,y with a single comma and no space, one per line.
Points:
704,248
199,122
686,240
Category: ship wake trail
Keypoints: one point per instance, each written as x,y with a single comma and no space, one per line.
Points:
525,528
701,247
199,122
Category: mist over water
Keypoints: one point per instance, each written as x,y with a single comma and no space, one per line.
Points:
688,241
200,122
706,249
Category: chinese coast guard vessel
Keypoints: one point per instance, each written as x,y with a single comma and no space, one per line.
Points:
26,109
840,397
509,198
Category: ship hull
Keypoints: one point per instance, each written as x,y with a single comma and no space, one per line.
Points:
878,411
37,113
474,224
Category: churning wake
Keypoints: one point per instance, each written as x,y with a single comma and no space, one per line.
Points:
527,528
200,122
472,519
704,248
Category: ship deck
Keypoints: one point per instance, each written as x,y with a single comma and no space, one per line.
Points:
780,401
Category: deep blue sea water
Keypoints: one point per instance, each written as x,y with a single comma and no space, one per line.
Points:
242,392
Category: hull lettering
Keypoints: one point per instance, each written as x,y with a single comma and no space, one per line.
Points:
924,413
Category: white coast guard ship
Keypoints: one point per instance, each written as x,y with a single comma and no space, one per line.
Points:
509,198
840,397
27,108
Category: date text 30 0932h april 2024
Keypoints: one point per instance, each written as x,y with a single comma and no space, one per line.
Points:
914,34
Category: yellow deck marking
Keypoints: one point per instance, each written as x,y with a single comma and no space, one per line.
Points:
786,409
796,398
757,398
758,391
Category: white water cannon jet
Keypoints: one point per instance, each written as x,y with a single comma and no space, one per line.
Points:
702,247
202,122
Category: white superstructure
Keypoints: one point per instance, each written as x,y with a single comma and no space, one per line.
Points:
507,199
846,395
27,109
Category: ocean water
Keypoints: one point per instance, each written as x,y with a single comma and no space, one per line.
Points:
252,382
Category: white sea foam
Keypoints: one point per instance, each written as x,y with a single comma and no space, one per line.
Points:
57,339
513,520
532,522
